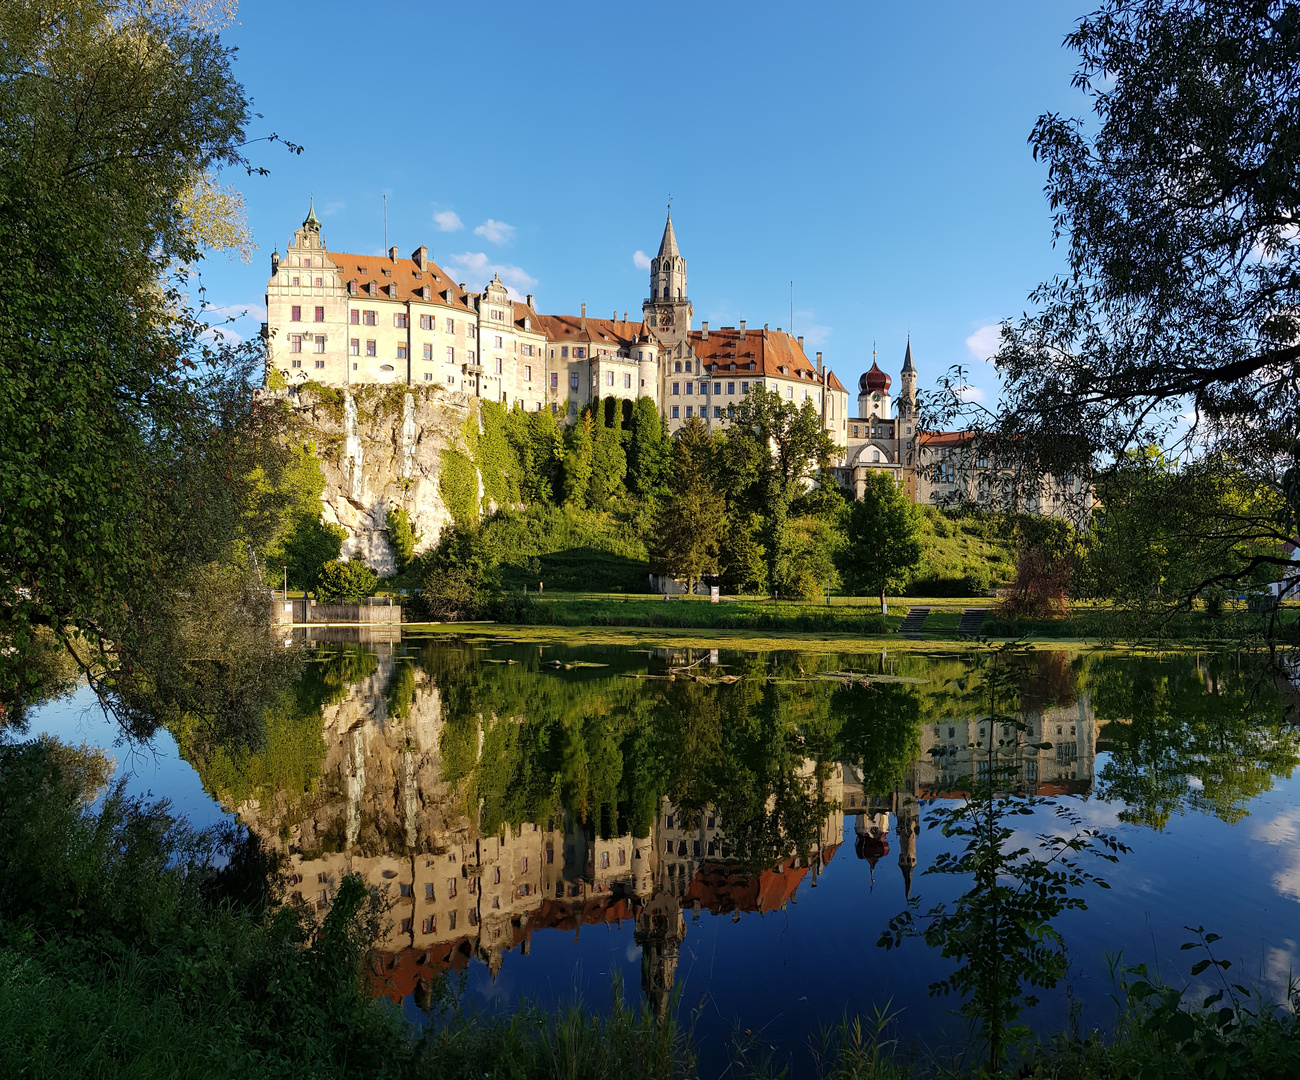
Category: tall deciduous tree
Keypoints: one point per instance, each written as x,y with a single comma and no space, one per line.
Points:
689,528
132,449
649,450
884,538
1178,208
774,452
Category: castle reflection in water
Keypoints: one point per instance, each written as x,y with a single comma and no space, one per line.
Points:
456,894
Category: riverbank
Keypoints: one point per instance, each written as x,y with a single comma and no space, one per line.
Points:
858,620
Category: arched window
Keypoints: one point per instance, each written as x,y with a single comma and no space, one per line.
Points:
677,366
665,292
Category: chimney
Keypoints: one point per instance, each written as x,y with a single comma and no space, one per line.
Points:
704,330
420,256
614,317
461,286
584,316
625,316
742,329
392,253
800,340
819,360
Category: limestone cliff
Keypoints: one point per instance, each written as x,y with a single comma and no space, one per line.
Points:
380,447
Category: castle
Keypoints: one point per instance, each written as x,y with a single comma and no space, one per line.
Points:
344,319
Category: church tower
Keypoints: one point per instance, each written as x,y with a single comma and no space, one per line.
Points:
668,311
907,406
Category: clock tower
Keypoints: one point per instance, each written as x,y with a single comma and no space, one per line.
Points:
668,312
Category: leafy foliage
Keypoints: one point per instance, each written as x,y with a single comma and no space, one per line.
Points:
884,543
345,581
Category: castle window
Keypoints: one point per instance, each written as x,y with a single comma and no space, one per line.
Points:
451,354
875,455
295,314
622,857
496,341
717,387
370,349
451,325
676,413
731,388
451,380
295,280
499,363
319,344
564,352
678,366
609,378
430,925
363,270
688,365
401,350
690,409
528,373
428,890
573,381
401,320
717,412
295,343
354,317
690,388
665,292
579,353
676,388
320,283
744,388
426,352
789,392
471,331
627,380
451,921
855,431
469,356
385,367
296,363
368,318
354,347
555,380
426,322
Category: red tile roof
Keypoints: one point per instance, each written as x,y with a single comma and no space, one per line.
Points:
403,273
565,328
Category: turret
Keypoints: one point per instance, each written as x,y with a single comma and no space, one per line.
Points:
907,384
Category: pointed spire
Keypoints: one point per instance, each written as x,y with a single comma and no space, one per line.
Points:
907,359
311,221
668,246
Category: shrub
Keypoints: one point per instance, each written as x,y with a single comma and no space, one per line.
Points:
345,581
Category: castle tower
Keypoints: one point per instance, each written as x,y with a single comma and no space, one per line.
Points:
660,929
668,311
873,393
909,827
907,384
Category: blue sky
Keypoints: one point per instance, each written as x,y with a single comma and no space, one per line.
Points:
873,153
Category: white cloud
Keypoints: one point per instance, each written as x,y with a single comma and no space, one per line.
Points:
477,269
219,335
814,333
1283,831
332,208
640,260
985,341
969,393
448,221
495,232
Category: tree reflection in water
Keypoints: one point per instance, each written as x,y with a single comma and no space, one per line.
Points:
492,791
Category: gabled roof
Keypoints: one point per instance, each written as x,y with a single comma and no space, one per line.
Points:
568,328
403,273
770,351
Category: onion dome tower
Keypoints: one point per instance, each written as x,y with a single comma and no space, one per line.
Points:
873,392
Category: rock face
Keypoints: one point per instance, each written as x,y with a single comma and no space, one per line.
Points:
380,448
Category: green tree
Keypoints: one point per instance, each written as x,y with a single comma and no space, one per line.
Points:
579,447
608,467
1177,206
689,527
402,536
309,545
452,575
884,539
773,452
135,453
649,451
345,581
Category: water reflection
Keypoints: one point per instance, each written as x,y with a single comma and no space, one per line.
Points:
495,791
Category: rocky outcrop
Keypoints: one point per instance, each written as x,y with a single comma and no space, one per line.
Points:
380,447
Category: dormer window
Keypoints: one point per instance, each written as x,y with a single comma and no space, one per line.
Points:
363,270
387,272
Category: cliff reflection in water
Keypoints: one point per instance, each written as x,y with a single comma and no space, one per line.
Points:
493,793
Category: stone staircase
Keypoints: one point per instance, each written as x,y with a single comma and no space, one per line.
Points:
972,618
913,622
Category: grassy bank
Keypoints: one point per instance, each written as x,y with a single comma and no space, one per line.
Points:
124,952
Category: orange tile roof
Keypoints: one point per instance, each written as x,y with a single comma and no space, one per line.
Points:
403,273
943,438
564,328
768,350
